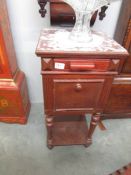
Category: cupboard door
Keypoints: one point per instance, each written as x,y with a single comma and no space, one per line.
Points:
77,94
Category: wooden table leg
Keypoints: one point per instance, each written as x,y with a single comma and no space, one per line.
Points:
49,125
94,121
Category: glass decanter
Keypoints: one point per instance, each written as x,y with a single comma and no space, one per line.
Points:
84,10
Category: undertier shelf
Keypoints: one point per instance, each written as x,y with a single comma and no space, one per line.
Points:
70,132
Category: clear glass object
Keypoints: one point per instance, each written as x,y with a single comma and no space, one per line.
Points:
84,10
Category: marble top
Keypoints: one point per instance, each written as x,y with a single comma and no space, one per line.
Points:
57,41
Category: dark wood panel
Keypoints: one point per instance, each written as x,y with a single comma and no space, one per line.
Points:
123,32
122,24
127,45
119,103
120,96
63,15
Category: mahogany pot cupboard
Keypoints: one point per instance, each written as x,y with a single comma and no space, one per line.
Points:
14,99
119,102
77,80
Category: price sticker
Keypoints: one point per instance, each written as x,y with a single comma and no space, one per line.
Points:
59,66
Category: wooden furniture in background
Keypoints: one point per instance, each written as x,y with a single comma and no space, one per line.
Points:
76,81
123,32
63,15
119,103
14,99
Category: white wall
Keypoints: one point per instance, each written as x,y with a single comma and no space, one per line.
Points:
108,24
26,24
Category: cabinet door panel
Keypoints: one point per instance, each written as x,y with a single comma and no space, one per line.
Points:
77,94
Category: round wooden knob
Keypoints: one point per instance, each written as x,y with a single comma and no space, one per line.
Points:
78,87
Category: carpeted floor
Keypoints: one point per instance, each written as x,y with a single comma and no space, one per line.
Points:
23,149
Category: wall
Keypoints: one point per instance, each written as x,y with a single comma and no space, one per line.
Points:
26,24
108,24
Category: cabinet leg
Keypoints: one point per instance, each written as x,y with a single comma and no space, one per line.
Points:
49,125
94,121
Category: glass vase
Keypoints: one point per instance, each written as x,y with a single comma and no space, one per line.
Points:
84,10
81,31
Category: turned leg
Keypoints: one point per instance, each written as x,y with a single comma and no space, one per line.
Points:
49,125
94,121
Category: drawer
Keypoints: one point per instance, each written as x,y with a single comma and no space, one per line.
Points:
86,64
77,94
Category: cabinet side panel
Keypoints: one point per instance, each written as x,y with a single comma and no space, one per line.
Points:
120,97
124,17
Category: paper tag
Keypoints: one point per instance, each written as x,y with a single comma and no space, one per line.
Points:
59,65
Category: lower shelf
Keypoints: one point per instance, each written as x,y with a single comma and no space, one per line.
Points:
70,132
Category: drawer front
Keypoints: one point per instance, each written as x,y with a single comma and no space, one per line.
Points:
86,65
101,65
77,94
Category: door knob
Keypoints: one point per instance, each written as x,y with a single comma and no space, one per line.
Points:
78,87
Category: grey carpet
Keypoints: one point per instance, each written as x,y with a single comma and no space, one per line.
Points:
23,149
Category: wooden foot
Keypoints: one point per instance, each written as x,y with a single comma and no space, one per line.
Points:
49,125
50,147
88,143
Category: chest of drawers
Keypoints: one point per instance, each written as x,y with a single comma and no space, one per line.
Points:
77,80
